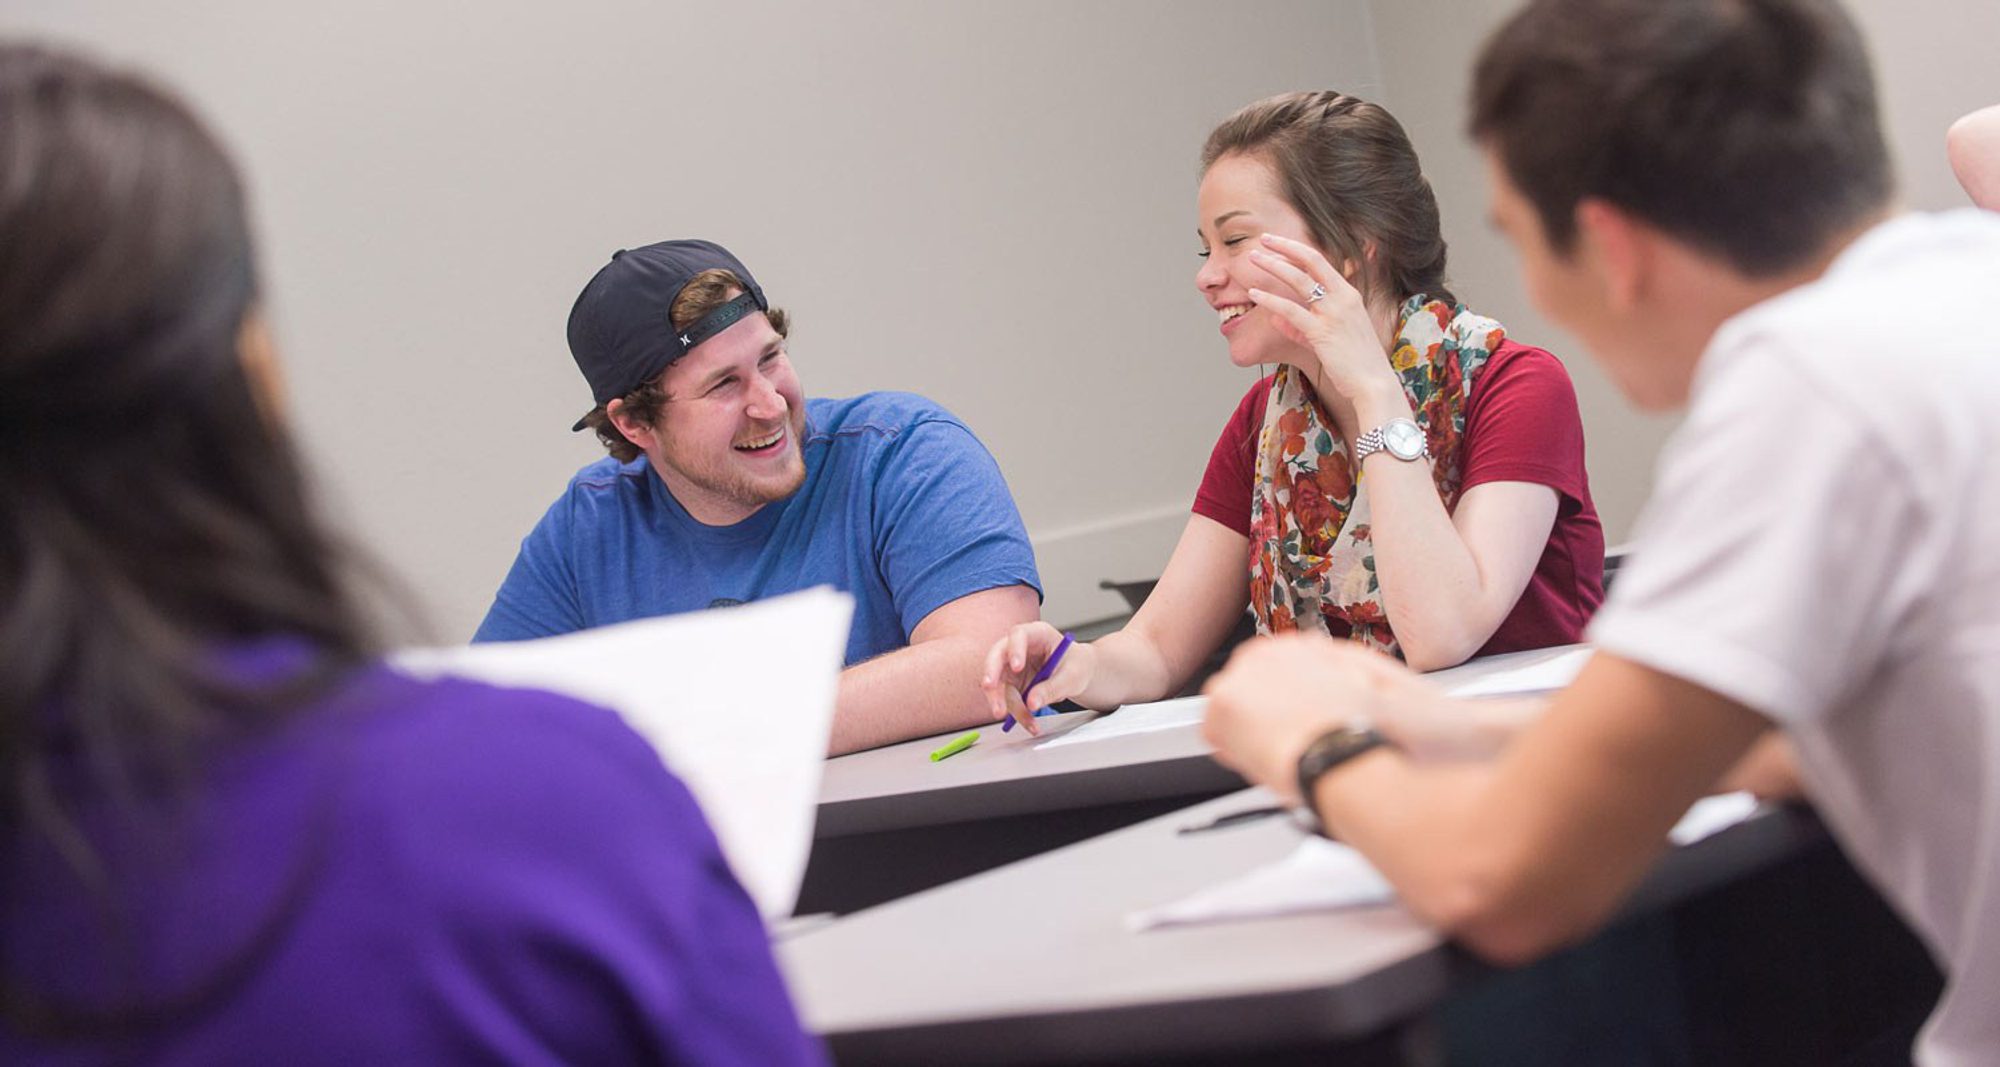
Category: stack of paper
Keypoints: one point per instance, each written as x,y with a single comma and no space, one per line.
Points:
739,701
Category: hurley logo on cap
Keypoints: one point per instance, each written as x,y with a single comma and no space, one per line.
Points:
619,330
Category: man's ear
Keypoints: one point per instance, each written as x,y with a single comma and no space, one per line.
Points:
1619,246
635,431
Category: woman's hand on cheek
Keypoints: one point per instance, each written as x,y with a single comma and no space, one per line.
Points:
1336,326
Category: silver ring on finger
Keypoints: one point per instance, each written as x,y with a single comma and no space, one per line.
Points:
1318,294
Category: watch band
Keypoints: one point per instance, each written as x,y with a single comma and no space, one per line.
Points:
1328,751
1375,441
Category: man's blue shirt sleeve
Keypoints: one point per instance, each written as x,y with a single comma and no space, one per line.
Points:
539,597
946,526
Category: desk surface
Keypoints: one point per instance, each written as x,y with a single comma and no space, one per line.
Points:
1033,961
1006,775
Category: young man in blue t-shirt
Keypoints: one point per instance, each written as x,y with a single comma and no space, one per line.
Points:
726,485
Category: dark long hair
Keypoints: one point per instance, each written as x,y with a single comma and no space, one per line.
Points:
152,513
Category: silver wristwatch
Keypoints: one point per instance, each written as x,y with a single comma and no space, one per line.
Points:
1400,438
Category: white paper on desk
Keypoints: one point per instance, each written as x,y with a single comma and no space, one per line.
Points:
1712,815
739,702
1134,719
1319,875
1322,875
1545,676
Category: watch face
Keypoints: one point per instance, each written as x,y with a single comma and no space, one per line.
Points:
1404,439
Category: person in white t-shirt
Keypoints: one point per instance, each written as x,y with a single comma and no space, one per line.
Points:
1699,190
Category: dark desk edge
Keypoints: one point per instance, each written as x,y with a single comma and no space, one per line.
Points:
1187,776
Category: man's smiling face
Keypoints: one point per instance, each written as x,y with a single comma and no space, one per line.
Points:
728,439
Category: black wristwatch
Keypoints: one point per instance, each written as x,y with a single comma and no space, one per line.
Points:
1327,751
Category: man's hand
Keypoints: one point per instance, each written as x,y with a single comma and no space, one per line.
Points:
1279,693
1276,695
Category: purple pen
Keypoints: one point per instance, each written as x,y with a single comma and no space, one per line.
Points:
1048,668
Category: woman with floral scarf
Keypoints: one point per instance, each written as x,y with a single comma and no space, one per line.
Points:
1409,477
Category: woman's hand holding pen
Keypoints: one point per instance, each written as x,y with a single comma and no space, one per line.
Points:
1326,313
1015,660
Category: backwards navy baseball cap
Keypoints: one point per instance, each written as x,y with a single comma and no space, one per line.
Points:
620,332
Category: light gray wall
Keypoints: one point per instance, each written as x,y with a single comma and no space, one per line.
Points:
1933,63
990,203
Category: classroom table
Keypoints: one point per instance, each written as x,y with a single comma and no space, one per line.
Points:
892,822
1033,962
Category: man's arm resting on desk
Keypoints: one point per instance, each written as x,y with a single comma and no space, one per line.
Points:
933,685
1770,770
1515,857
1419,717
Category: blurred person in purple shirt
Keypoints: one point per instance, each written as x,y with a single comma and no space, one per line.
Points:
228,834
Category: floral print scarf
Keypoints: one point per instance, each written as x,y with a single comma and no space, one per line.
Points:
1312,562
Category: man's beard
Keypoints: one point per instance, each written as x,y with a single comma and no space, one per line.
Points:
727,482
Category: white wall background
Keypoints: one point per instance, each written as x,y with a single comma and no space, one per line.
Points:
987,202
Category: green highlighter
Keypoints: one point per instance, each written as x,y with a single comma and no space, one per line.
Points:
955,746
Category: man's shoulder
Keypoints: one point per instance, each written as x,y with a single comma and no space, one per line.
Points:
883,417
1887,338
882,411
1897,291
609,475
601,492
896,441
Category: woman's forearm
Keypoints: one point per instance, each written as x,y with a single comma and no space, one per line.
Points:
1432,590
1129,669
1199,597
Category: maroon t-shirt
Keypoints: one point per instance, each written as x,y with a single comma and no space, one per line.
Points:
1521,425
